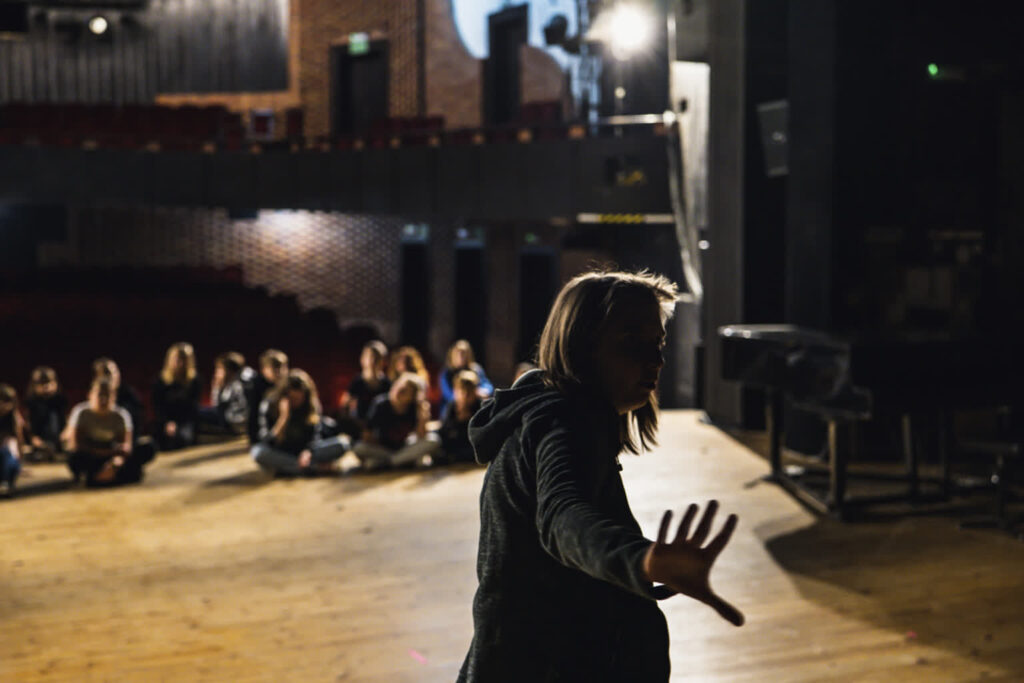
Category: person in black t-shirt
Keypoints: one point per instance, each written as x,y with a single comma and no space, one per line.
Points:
454,431
47,414
371,382
273,370
396,432
176,398
292,439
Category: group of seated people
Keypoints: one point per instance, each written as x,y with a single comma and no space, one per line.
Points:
98,437
384,416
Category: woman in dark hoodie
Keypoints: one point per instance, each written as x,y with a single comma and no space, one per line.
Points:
566,577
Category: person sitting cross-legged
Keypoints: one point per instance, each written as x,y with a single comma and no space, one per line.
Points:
454,430
100,441
396,431
292,440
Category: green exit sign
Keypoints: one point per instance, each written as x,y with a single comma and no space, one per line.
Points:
358,43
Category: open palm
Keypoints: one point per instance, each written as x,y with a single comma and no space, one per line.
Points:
684,566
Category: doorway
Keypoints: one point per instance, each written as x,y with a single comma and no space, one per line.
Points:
359,86
538,281
507,31
471,297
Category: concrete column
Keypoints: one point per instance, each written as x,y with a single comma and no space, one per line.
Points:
442,294
502,254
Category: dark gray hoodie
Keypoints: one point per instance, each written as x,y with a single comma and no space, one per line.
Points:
562,594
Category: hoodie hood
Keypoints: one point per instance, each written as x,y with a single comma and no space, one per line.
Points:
505,411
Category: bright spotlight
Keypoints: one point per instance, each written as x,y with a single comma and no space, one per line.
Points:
98,25
631,30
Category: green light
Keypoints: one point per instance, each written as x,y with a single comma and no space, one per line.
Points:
933,70
358,43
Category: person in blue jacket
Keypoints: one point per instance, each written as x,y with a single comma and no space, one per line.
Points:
459,358
567,581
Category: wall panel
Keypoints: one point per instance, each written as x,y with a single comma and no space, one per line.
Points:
171,46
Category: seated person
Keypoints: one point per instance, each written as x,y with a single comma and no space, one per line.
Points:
229,408
291,431
127,398
273,371
176,398
454,431
408,359
396,428
460,357
371,382
12,439
47,414
100,443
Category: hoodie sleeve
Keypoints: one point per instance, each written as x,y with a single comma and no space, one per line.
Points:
576,532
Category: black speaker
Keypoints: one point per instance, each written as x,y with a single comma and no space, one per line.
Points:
773,118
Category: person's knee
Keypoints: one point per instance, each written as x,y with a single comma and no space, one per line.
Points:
259,453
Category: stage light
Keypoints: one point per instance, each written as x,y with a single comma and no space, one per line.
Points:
933,70
98,25
631,30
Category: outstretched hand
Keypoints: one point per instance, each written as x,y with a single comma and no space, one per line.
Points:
683,565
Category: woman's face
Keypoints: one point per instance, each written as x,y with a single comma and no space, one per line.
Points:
460,358
403,395
628,357
180,362
101,400
272,373
369,360
219,374
46,388
6,405
463,395
296,398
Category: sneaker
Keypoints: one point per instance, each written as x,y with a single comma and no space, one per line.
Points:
6,489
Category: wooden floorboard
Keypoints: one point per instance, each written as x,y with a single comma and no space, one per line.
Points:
210,571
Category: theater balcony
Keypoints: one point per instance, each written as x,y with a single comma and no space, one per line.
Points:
206,157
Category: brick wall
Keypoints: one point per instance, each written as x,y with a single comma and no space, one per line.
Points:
346,263
454,77
328,22
541,78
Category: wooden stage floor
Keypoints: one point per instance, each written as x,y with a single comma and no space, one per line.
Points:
211,571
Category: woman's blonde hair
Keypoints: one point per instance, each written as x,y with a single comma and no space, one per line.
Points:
419,368
460,345
301,381
167,374
576,321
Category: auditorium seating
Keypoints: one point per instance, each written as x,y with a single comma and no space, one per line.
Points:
127,126
67,317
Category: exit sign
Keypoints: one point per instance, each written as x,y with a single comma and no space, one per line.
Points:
358,43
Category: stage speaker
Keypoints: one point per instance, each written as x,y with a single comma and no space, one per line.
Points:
773,118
